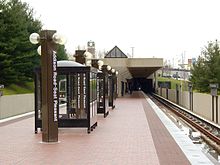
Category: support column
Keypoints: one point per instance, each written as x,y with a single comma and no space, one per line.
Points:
49,88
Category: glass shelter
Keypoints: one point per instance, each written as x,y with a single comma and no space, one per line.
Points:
77,96
112,81
102,93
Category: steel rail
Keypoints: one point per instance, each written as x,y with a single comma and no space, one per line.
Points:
203,125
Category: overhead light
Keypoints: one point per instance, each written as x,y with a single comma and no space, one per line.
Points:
59,39
87,55
34,38
108,67
88,63
100,63
39,50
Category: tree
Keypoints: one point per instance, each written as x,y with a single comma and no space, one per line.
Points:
207,68
18,56
61,53
198,78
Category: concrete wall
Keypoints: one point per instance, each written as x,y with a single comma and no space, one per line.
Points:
145,62
172,95
202,103
184,101
16,104
164,92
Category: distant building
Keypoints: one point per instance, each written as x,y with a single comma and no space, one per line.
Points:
115,53
193,61
91,48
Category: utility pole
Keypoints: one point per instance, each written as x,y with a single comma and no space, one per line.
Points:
132,54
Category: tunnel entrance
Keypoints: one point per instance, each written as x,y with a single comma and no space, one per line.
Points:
146,85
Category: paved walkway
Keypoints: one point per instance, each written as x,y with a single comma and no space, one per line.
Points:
131,134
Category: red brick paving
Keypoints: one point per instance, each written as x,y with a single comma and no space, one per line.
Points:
123,138
167,150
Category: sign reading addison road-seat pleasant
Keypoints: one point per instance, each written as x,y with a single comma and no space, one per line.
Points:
55,101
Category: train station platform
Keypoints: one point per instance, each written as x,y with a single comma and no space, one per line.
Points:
133,133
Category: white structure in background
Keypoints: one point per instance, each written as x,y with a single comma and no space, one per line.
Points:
91,48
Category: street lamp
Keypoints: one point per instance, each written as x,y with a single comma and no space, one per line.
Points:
34,38
57,38
39,50
83,57
96,63
214,92
48,39
87,55
108,67
190,85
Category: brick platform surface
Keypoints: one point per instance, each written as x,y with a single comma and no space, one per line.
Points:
131,134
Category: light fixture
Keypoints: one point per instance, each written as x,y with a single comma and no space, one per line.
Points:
113,70
116,72
100,63
34,38
39,50
87,55
88,63
59,39
108,67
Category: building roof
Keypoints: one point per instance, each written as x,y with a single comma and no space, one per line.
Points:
66,63
115,53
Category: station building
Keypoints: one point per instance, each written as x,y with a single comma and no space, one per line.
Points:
138,72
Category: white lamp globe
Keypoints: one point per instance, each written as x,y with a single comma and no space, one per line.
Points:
113,70
116,72
39,50
59,39
100,63
34,38
108,67
87,55
88,63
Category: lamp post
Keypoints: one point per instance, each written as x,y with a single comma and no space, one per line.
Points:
96,63
1,92
214,93
48,40
83,57
113,87
190,96
177,94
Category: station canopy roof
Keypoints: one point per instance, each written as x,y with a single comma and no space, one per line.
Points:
132,67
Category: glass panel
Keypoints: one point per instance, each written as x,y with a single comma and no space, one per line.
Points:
93,94
62,81
81,96
72,97
110,89
39,98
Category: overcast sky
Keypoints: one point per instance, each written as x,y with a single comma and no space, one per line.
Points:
156,28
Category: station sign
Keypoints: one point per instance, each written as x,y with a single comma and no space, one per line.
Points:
55,88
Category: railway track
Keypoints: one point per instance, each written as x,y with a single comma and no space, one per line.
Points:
209,129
